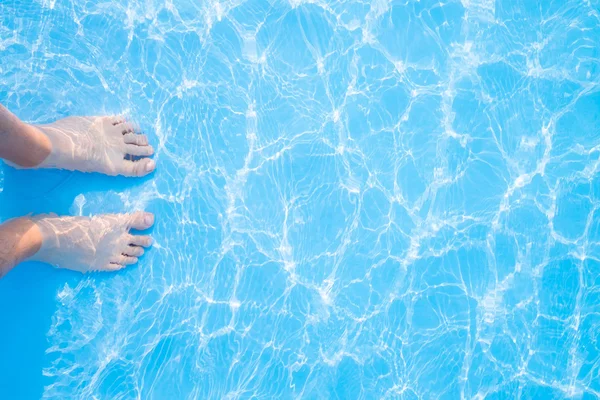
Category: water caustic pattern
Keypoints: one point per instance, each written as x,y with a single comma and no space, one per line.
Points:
386,199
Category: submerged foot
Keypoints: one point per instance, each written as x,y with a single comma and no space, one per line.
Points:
86,244
109,145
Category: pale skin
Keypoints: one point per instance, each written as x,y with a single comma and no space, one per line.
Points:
108,145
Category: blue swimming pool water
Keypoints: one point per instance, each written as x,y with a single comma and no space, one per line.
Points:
385,199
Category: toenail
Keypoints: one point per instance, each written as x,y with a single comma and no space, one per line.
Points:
149,219
150,165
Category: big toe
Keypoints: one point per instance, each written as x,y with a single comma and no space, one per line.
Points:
141,220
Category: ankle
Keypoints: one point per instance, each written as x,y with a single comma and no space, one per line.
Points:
24,146
41,147
20,240
32,238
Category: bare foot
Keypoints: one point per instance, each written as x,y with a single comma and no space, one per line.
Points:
97,144
86,244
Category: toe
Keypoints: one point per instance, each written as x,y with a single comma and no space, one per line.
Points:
129,127
124,260
137,168
134,150
127,260
114,267
134,251
117,119
140,240
137,139
141,220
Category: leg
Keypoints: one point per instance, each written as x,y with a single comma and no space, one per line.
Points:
84,244
20,239
20,143
109,145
